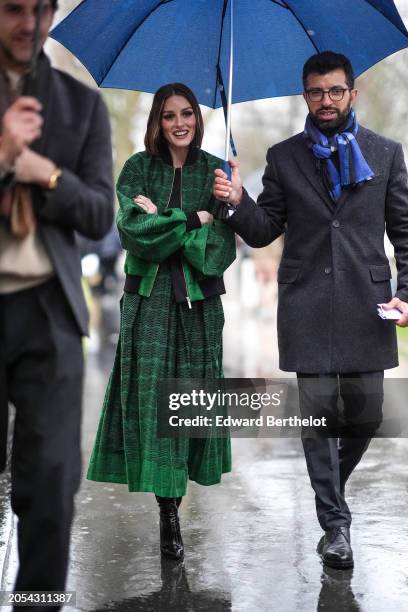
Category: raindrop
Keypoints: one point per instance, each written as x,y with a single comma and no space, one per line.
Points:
311,32
208,91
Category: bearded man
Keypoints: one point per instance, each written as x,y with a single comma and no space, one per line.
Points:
332,190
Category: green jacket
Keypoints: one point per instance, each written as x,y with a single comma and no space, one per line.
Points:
149,239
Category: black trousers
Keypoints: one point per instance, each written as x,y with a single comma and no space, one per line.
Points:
352,406
41,374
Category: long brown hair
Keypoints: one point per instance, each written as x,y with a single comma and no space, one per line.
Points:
154,139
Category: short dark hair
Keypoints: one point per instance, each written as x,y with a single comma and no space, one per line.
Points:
54,4
154,139
322,63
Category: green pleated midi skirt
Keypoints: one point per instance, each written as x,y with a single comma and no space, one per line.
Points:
159,339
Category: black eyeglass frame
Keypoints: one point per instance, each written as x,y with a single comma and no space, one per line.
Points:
329,92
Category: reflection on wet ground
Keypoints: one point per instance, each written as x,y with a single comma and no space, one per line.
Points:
174,594
250,542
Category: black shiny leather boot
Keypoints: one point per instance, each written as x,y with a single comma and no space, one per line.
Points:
335,549
171,543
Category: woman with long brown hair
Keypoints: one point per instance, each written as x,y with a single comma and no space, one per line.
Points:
172,316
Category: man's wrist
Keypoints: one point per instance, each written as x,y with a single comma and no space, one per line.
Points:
48,175
54,179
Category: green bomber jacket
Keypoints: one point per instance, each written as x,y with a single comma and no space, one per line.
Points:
150,239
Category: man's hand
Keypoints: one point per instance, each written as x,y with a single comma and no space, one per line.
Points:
225,190
30,167
205,217
400,305
146,204
20,126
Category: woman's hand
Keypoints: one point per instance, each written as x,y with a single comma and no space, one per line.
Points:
205,217
146,204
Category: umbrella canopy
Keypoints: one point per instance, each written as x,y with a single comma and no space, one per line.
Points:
142,44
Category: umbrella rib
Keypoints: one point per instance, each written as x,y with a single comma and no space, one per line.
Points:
403,31
160,3
286,5
224,11
289,8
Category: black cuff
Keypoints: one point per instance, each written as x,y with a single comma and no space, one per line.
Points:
193,221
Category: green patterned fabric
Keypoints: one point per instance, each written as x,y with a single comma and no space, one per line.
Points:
150,239
162,339
159,339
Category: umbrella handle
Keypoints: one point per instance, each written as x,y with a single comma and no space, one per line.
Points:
227,168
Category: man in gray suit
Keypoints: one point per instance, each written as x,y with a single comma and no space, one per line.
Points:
55,180
332,190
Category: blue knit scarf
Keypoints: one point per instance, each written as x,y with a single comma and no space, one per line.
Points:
353,167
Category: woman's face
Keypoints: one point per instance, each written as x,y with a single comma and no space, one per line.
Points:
178,122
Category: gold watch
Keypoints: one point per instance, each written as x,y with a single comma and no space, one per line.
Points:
53,180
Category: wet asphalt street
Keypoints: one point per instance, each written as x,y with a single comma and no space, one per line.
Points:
250,542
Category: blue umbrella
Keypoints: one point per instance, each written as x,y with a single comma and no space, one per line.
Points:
226,50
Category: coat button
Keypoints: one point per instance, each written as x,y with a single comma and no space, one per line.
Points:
327,270
336,223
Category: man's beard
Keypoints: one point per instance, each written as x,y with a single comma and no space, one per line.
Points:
331,127
7,57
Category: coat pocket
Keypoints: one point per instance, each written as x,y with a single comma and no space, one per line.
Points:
380,273
287,275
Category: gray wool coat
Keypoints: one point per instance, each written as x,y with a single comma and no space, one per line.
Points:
76,137
334,270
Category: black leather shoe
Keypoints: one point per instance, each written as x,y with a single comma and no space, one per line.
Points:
171,543
334,548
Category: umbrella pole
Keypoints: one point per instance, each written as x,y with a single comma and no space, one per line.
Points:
31,80
229,98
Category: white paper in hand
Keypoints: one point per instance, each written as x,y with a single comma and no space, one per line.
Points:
392,315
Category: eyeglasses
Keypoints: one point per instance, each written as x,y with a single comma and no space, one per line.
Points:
335,93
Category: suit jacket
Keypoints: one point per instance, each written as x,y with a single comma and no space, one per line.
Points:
334,269
76,136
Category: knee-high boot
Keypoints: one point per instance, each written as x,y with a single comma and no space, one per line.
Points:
171,543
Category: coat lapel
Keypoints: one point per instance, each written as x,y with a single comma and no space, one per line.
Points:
308,166
364,142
